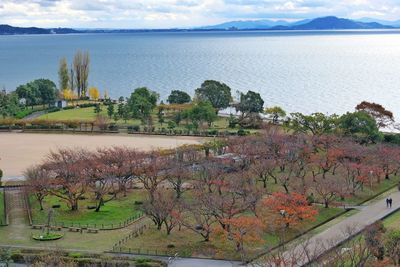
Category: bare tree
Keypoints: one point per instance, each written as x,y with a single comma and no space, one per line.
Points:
163,209
81,69
38,180
68,180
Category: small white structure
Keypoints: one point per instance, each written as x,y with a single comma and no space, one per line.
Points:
61,103
22,101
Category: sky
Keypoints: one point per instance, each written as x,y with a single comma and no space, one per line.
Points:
182,13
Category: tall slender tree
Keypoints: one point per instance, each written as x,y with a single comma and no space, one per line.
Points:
81,69
63,75
72,79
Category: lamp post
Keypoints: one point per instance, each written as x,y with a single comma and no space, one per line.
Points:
283,214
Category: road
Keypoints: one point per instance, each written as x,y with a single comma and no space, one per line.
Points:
338,233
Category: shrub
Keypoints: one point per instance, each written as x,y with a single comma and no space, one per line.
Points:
68,107
23,113
242,132
310,199
113,127
392,138
233,121
75,255
87,105
53,109
170,246
212,132
17,257
141,260
134,128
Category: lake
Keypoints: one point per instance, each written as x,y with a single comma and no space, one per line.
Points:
300,71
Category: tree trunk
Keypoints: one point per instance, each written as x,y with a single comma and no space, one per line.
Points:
264,183
99,204
74,205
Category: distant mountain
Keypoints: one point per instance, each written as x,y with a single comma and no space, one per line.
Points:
10,30
246,25
324,23
333,23
394,23
7,29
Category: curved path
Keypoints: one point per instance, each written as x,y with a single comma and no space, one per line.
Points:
338,233
35,115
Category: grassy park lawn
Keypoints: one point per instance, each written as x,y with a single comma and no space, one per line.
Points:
88,114
393,221
2,212
111,214
187,243
369,192
83,114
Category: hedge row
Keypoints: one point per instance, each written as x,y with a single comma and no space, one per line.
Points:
164,131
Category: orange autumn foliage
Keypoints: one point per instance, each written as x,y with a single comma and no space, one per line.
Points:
242,230
290,209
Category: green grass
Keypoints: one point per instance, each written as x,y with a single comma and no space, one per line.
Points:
47,237
2,212
88,114
393,221
188,243
368,192
82,114
110,215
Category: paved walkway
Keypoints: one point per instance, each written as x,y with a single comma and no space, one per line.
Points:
336,234
35,115
17,213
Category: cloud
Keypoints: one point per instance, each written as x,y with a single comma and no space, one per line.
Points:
180,13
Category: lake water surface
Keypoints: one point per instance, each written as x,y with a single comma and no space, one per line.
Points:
300,71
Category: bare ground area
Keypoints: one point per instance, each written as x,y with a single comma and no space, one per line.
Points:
18,151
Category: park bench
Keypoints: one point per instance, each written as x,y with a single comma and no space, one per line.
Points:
56,228
92,230
74,229
37,226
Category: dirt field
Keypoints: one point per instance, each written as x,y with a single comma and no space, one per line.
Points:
21,150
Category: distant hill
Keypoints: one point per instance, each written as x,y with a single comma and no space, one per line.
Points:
324,23
10,30
333,23
246,25
7,29
394,23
